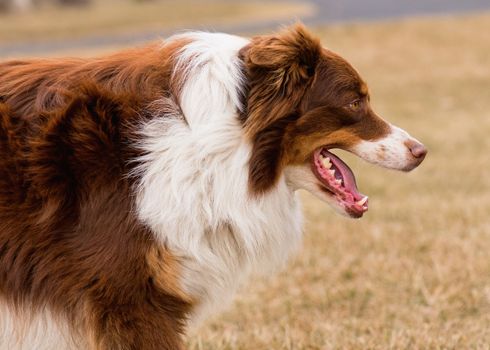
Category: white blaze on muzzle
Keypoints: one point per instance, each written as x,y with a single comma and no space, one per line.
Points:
397,150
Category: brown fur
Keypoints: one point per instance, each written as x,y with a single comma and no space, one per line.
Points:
35,85
68,235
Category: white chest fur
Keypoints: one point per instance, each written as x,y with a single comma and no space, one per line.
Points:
194,196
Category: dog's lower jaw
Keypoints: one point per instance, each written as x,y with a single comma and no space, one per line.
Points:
300,177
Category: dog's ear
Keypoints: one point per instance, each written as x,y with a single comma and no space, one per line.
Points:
293,50
278,68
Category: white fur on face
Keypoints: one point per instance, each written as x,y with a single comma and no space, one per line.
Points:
193,188
390,151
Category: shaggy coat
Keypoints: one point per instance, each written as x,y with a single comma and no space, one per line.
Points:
138,190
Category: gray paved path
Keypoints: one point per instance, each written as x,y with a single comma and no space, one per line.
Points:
327,11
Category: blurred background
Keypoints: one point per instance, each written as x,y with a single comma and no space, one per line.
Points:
414,273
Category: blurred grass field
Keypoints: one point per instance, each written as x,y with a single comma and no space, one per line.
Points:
414,273
104,17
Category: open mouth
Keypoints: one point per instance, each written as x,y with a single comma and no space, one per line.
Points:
338,180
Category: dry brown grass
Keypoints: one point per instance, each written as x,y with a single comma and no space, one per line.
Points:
415,272
116,16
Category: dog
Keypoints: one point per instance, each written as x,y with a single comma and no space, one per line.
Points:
139,190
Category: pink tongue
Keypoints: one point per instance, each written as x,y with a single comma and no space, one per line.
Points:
347,175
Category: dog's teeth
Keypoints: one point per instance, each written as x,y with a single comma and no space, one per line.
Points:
332,172
326,163
362,201
338,181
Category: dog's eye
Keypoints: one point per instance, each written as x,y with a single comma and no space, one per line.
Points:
354,106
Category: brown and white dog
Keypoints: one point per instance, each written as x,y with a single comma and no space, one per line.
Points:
138,190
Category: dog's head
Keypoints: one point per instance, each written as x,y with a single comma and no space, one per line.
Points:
303,100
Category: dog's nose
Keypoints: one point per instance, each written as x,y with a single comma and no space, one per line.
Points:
418,152
417,149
